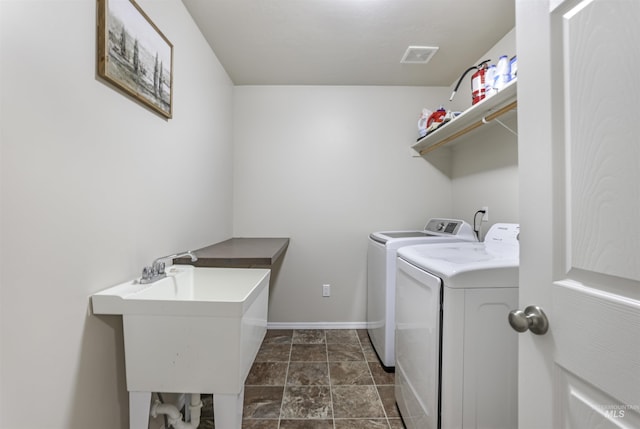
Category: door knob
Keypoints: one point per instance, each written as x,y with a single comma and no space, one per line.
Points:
532,318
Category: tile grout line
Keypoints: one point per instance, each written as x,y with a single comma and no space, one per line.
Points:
286,377
375,384
326,349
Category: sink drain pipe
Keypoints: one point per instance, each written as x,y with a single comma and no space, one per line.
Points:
175,417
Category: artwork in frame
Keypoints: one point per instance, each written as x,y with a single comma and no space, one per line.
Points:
134,55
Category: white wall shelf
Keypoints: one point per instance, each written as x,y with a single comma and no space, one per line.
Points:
475,116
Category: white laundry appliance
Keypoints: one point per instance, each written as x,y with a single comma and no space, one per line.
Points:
381,276
456,356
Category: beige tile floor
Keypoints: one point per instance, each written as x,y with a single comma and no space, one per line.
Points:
316,379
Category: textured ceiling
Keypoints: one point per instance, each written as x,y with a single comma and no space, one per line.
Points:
349,42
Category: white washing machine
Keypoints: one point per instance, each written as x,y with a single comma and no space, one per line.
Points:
456,356
381,276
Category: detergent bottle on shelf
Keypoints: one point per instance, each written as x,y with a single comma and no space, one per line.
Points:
436,118
489,84
422,122
503,73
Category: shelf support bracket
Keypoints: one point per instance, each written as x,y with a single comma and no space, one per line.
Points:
484,121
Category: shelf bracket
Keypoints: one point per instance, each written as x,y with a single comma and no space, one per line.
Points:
484,121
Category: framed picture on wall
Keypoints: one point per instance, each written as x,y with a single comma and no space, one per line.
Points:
134,55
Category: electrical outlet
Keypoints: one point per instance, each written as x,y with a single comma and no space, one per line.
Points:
485,215
326,290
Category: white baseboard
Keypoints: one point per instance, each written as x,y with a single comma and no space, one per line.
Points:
317,325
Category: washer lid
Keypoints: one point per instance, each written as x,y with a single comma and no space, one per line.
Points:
404,234
386,236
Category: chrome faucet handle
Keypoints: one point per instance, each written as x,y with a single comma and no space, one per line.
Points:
147,273
159,268
153,273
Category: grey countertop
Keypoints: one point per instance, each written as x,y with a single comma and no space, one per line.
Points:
240,252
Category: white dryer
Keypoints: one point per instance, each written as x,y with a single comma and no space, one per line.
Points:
381,276
456,356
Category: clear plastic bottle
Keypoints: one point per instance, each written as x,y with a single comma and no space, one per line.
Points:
489,82
503,73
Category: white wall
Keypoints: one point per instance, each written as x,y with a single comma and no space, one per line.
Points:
326,166
93,187
485,173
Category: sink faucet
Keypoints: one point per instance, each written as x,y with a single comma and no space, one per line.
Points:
156,270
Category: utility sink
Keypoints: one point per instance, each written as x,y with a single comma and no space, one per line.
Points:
197,330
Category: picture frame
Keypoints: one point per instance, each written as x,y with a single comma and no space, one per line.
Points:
134,55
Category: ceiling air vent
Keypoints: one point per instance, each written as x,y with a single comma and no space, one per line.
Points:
418,54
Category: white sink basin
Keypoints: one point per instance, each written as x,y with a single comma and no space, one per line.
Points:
186,291
196,331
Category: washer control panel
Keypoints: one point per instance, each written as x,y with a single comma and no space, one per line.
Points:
444,226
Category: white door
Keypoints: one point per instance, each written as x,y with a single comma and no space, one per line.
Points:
579,156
